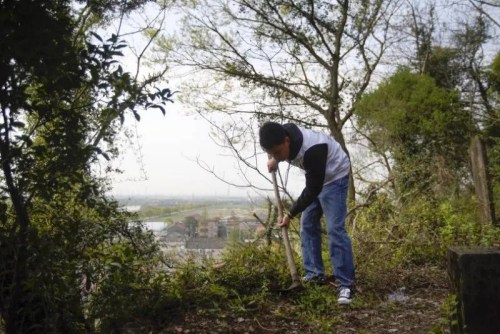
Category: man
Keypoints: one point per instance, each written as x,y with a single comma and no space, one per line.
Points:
326,167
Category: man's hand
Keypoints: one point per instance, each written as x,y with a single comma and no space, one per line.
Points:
272,165
285,221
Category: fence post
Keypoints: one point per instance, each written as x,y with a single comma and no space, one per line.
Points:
482,182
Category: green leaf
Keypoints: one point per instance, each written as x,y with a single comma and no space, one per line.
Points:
17,124
96,36
137,116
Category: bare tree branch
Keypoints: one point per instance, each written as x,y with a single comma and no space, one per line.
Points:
477,5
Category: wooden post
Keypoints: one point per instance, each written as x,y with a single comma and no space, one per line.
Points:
482,182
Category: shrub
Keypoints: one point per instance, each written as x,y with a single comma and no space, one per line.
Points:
417,234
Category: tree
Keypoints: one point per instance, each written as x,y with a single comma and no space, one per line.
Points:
481,6
492,129
192,226
62,97
424,129
464,66
301,61
451,49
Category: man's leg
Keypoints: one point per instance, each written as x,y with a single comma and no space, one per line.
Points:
333,199
310,235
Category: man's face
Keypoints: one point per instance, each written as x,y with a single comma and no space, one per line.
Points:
280,152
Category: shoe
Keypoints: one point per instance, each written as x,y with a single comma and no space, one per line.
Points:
318,279
345,296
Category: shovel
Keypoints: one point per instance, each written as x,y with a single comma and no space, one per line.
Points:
296,285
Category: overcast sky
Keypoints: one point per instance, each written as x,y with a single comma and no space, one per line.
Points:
161,160
169,146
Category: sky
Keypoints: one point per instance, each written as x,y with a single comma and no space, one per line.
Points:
161,160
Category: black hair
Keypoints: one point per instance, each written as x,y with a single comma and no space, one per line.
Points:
271,134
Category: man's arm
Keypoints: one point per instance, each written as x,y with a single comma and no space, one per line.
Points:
315,167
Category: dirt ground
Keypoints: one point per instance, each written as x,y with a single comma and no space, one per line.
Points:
417,310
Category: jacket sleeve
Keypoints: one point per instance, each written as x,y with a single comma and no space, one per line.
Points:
315,167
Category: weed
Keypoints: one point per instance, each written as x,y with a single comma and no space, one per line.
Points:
448,316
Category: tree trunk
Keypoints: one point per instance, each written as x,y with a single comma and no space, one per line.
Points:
482,181
338,136
14,314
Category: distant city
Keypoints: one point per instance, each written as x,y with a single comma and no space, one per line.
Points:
199,227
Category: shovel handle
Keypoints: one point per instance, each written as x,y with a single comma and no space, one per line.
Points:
286,240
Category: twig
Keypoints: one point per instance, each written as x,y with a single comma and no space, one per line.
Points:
266,329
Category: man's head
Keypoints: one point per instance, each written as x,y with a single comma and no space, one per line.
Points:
275,140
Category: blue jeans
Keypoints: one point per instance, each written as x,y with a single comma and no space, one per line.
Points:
332,202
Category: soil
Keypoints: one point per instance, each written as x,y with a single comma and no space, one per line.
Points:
417,310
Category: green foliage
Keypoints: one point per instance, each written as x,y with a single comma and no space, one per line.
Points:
63,97
494,77
460,225
494,169
448,316
149,211
422,126
320,301
419,233
444,67
251,268
104,9
492,130
241,281
71,263
138,293
318,307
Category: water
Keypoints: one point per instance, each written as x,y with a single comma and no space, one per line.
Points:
155,226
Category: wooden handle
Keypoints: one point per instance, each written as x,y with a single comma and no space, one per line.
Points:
286,240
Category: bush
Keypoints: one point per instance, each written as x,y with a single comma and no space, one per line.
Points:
460,225
251,268
417,234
